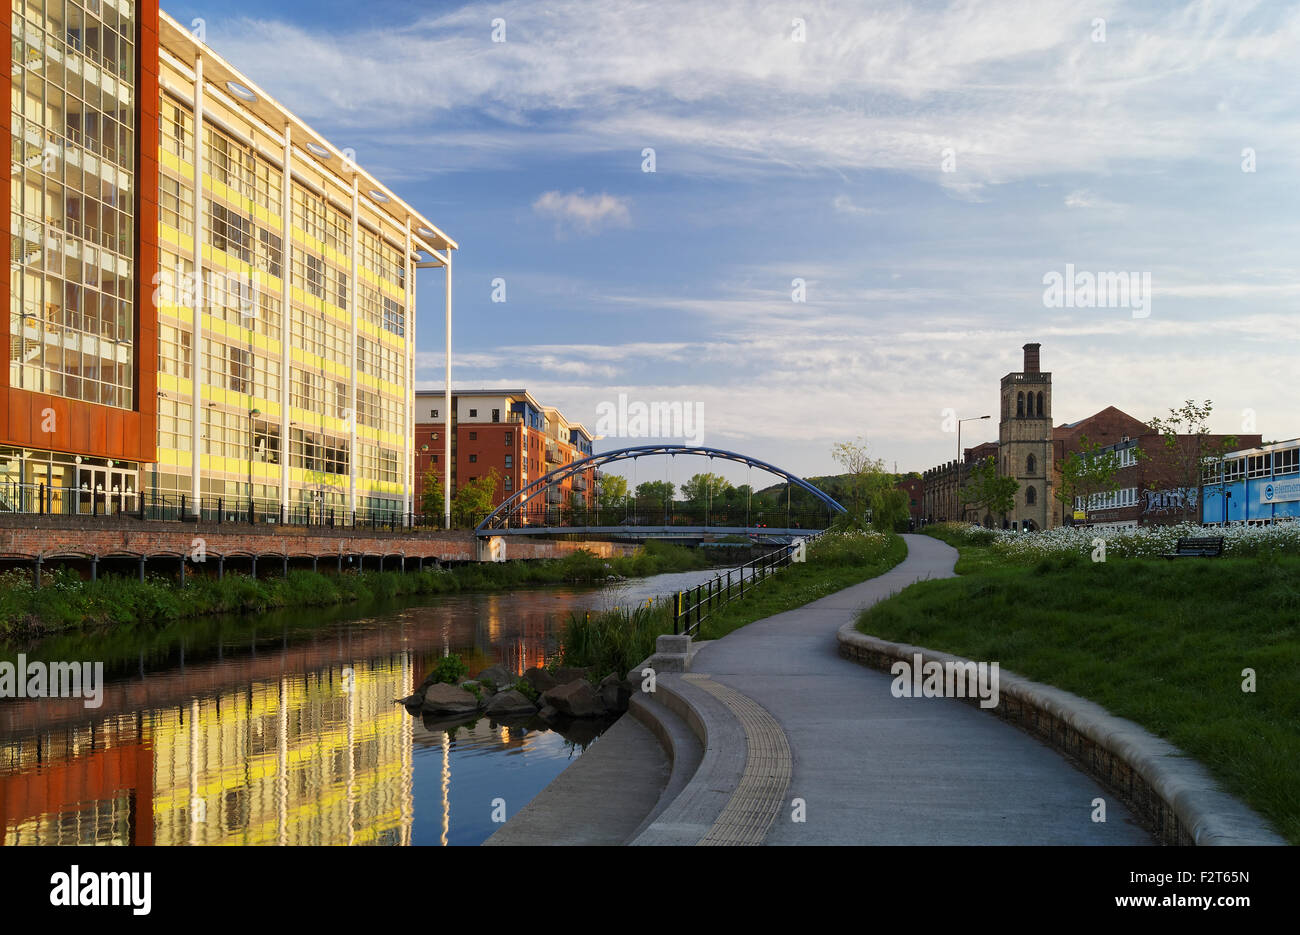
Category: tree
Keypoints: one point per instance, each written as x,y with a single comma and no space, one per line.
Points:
889,506
706,487
872,492
613,490
985,489
656,491
473,500
431,496
861,469
1189,447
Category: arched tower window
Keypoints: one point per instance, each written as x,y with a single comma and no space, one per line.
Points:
1031,497
1020,404
1040,404
1030,464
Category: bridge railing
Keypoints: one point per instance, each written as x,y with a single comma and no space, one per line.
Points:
660,514
695,605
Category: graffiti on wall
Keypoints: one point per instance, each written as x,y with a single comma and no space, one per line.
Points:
1171,500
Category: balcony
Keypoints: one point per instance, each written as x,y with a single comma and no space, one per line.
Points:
552,453
579,482
554,495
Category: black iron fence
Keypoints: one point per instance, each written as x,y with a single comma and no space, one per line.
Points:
692,607
55,500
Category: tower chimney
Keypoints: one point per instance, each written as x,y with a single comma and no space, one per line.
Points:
1031,358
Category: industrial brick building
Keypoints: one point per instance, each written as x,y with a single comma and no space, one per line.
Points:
1032,450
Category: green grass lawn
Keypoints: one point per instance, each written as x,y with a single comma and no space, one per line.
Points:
1161,643
801,584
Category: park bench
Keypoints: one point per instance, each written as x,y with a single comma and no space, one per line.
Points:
1197,547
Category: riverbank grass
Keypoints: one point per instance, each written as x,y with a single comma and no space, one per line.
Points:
65,601
1164,643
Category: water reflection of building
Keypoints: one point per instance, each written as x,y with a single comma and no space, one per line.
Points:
316,758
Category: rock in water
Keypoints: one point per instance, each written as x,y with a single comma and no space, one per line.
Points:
614,692
412,701
566,674
510,702
540,679
441,698
576,699
498,675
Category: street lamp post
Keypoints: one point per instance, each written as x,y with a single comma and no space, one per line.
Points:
957,479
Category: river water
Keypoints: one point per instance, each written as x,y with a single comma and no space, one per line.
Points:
281,728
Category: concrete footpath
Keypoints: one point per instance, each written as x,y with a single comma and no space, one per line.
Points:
806,747
875,769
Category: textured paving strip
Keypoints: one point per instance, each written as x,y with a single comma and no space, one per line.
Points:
753,806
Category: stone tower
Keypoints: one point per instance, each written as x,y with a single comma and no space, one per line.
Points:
1025,441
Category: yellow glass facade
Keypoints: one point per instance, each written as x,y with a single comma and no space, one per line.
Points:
303,347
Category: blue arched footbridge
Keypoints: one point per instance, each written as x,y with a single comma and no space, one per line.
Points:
536,508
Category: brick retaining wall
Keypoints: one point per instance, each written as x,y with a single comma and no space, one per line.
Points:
24,536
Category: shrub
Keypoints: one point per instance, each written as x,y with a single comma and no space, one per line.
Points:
450,669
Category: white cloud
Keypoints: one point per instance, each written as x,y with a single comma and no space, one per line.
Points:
585,213
1012,87
843,204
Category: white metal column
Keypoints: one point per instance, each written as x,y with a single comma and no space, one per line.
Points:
408,333
446,444
286,312
353,301
196,344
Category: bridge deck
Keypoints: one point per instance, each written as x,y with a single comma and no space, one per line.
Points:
655,531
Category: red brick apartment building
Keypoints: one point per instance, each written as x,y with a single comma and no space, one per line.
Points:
507,430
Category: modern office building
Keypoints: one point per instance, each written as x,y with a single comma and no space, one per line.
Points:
1256,486
79,392
506,430
209,300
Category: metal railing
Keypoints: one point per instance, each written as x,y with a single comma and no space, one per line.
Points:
57,500
695,605
667,514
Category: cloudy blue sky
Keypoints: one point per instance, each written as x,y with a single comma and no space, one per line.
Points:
824,160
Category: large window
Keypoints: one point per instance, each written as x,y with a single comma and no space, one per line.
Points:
72,253
318,451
